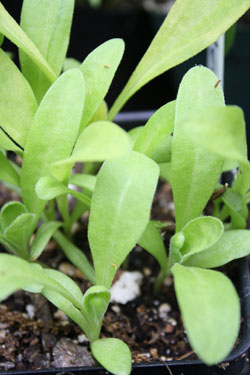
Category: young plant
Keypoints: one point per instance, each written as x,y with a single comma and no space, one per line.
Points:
53,120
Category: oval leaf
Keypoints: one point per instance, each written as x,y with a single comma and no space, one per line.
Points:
210,310
10,29
100,141
7,172
47,23
9,212
42,237
113,354
194,171
232,245
53,134
119,212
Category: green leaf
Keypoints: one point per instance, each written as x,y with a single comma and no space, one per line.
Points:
119,212
96,301
17,102
200,234
8,172
242,181
12,31
9,212
85,181
194,171
43,235
210,309
7,143
232,245
18,233
98,69
218,130
1,39
113,354
101,113
47,23
152,242
190,27
162,154
53,134
48,188
134,133
237,208
160,125
70,63
100,141
165,171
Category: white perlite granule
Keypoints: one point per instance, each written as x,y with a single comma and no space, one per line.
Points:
127,287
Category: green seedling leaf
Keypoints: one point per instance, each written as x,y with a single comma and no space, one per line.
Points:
9,212
7,172
47,23
194,171
134,133
176,243
71,63
158,127
165,171
42,237
210,310
85,181
17,106
162,154
123,196
152,242
100,141
18,233
16,273
221,132
52,135
113,354
48,188
7,143
96,301
233,244
99,68
101,113
1,39
237,208
242,181
200,234
12,31
190,27
76,256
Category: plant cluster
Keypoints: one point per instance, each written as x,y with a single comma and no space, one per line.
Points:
52,120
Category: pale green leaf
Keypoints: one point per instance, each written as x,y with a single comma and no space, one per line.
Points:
98,69
242,181
158,127
101,113
53,134
194,171
70,63
9,213
113,354
100,141
96,301
210,309
42,237
165,171
237,208
190,27
162,154
232,245
220,130
47,23
17,102
120,209
134,133
8,172
12,31
48,188
200,234
85,181
18,233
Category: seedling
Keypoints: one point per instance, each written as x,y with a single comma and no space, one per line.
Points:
52,121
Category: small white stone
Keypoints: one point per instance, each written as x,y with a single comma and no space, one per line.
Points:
30,311
116,309
82,338
164,310
127,287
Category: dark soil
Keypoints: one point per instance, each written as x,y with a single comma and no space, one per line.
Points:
35,335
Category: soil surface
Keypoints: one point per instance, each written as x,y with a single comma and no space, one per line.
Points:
35,335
